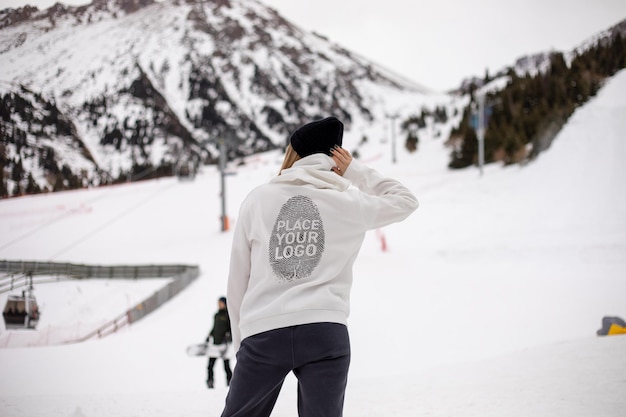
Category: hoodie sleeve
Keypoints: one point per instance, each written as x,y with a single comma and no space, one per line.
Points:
238,276
385,200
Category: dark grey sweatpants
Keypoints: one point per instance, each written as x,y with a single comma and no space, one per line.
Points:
319,356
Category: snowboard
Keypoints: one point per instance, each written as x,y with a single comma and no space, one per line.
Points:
199,349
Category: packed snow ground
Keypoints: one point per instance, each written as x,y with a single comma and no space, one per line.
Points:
485,303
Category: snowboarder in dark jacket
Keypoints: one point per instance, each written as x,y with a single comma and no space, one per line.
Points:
219,340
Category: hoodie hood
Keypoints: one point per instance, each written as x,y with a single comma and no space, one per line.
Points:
314,170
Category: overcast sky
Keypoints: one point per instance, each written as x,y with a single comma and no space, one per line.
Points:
440,42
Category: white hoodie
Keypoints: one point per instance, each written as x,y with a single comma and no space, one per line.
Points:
296,240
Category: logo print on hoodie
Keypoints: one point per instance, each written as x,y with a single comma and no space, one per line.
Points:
297,240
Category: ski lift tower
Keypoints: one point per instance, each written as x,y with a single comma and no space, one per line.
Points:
393,118
481,131
479,122
223,160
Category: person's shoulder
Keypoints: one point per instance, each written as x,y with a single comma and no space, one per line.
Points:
257,195
251,197
259,190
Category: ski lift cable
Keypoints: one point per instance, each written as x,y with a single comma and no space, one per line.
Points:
8,287
52,221
37,229
13,281
111,221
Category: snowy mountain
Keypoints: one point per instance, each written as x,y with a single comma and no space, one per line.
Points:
121,90
142,86
540,62
485,302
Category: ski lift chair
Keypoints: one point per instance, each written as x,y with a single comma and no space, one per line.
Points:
21,311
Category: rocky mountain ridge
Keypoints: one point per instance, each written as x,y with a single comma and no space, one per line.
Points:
540,62
149,86
119,90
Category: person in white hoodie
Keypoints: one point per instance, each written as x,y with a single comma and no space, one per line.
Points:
294,244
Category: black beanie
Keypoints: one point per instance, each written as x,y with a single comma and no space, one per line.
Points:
317,137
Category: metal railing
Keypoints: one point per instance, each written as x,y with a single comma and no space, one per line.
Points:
21,273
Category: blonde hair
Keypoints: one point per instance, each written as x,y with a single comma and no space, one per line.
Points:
291,156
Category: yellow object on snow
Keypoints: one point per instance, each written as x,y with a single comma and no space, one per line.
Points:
616,329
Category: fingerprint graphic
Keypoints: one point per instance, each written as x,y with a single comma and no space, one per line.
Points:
297,240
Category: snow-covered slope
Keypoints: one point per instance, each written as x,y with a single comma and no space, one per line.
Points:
485,303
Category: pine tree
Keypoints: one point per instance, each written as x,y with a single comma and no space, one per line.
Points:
531,109
411,142
31,185
17,173
4,190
